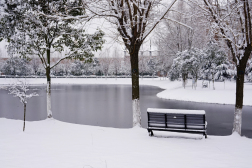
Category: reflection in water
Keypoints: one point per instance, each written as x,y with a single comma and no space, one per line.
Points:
110,106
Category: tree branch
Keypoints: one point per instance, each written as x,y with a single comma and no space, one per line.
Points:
157,22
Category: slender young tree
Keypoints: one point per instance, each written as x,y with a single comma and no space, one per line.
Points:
21,91
46,26
231,21
134,20
105,63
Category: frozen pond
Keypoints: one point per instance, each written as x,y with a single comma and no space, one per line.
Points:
110,106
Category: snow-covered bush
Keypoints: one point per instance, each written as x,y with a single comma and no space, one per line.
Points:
16,66
224,71
249,70
174,71
152,66
35,63
59,70
77,68
188,62
216,64
41,70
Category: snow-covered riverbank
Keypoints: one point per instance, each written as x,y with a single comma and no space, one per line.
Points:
54,144
224,93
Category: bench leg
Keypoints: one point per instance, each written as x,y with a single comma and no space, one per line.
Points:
150,132
205,135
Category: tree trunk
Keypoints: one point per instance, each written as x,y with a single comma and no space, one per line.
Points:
213,81
184,77
240,67
239,99
196,82
48,88
135,87
48,93
24,116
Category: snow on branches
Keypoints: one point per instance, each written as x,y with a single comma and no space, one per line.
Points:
134,20
43,27
231,21
210,63
37,27
20,90
187,62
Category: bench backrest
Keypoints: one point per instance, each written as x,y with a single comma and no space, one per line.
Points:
178,121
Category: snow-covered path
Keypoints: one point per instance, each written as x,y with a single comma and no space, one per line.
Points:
54,144
223,94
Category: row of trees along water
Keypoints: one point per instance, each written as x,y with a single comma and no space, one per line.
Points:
201,39
105,66
210,64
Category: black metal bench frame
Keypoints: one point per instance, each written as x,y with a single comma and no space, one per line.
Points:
177,122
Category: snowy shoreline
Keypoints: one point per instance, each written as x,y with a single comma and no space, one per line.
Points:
223,94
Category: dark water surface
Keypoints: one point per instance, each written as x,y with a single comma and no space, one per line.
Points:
110,106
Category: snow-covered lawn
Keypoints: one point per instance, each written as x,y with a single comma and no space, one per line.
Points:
223,94
54,144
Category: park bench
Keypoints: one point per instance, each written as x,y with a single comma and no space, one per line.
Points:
204,84
176,120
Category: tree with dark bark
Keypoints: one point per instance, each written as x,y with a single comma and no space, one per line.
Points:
134,20
47,26
231,21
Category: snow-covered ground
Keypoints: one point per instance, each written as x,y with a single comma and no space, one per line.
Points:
223,94
54,144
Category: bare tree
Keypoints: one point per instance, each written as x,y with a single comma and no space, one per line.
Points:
184,28
105,63
231,21
143,64
21,91
35,65
126,69
134,20
116,62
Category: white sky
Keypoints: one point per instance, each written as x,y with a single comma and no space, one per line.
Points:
113,40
